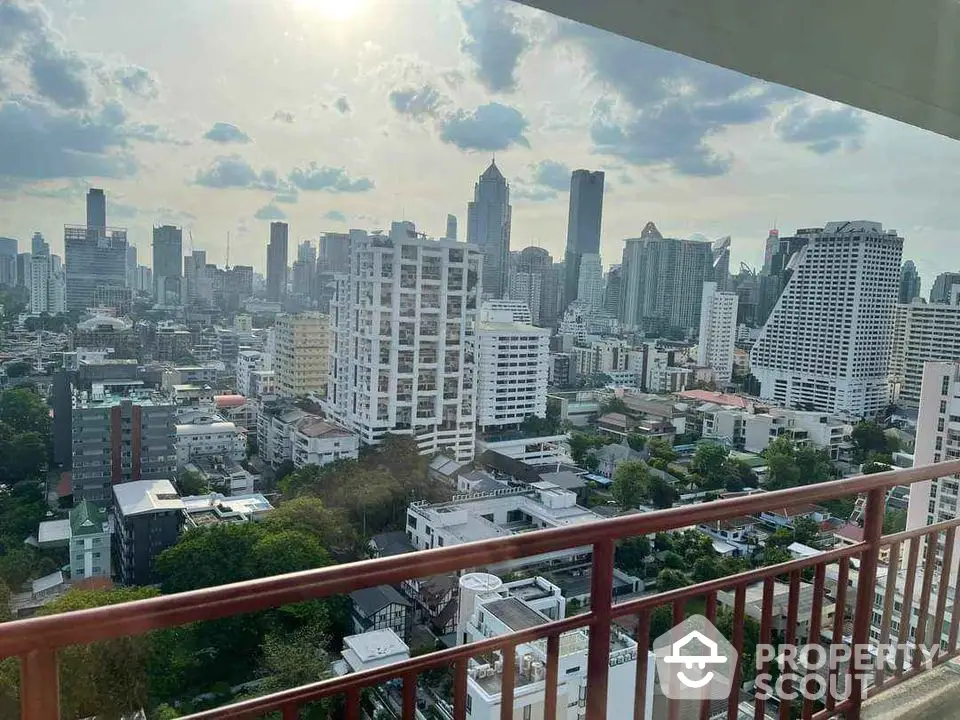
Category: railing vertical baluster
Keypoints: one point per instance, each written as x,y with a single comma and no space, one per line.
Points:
733,703
948,542
839,616
930,567
673,706
409,696
598,653
508,681
889,595
550,687
460,689
954,616
290,711
813,636
863,612
643,655
760,704
793,604
40,685
710,612
906,609
352,706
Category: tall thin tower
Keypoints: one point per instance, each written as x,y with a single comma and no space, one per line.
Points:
488,227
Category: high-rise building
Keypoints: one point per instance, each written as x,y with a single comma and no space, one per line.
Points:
946,289
403,325
721,264
769,250
277,262
96,210
826,345
718,331
612,291
168,264
526,287
39,275
118,439
23,270
663,281
512,369
96,260
334,253
772,282
305,271
451,227
909,283
934,501
584,219
921,332
302,360
8,261
488,227
196,278
590,283
534,281
132,267
144,283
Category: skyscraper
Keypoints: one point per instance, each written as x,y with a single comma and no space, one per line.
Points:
305,271
277,262
826,345
8,261
583,226
921,332
488,227
946,288
909,283
770,249
168,264
96,209
663,281
403,324
131,267
718,331
721,263
612,290
39,275
451,227
590,283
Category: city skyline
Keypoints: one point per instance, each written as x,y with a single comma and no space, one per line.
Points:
546,95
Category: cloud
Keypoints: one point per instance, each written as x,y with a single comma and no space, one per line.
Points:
222,132
664,114
533,194
270,212
547,180
489,128
232,171
288,197
823,130
335,216
166,215
495,42
328,179
417,102
122,210
284,116
137,81
342,105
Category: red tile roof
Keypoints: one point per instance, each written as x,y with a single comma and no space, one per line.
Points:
715,397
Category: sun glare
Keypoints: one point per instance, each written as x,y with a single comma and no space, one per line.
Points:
340,10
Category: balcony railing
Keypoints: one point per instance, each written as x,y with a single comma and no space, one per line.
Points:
37,641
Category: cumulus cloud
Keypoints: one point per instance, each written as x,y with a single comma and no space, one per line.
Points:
489,128
548,178
288,197
822,130
665,114
494,41
284,116
137,81
222,132
335,216
417,102
342,105
232,171
328,179
270,212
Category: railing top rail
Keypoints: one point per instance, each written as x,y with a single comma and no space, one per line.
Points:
84,626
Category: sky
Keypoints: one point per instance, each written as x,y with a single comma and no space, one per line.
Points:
223,115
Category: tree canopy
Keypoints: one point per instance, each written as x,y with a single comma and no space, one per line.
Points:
24,435
661,449
630,483
790,466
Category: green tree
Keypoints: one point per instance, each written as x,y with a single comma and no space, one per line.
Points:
806,531
673,561
191,482
631,554
782,470
708,462
630,483
294,659
18,369
780,538
24,410
661,449
636,441
813,465
894,521
590,462
669,579
868,437
738,475
706,568
614,405
662,494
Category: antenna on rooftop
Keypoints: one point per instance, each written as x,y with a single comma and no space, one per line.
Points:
228,250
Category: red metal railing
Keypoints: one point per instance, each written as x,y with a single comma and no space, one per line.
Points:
36,641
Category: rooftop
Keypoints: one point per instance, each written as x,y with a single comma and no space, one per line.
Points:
315,427
514,613
146,496
372,600
391,543
716,397
375,645
88,518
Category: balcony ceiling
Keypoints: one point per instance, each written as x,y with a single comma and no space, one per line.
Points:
899,58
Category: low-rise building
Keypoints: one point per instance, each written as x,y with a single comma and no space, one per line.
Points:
90,533
148,517
320,442
210,439
247,362
192,394
373,649
753,607
380,608
223,475
216,509
263,384
274,437
238,409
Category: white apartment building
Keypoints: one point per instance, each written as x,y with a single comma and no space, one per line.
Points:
590,283
209,439
247,362
318,442
826,345
753,431
513,310
263,384
302,361
512,367
718,332
497,514
489,608
47,279
527,288
922,332
938,438
402,351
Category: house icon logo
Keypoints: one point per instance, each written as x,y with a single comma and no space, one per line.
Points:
695,661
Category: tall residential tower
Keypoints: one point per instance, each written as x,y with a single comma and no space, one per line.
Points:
488,227
583,227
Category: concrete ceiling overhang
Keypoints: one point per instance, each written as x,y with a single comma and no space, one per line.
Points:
895,58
